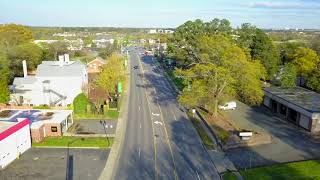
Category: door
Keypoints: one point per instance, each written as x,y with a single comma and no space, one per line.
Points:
304,122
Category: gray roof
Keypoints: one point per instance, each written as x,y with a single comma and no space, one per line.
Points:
298,96
53,69
24,80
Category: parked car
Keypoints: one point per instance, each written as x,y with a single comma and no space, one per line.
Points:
232,105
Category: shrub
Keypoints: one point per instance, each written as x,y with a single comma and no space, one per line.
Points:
80,104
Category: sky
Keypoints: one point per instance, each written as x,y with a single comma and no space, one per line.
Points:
160,13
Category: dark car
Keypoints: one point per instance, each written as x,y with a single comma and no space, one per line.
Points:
135,67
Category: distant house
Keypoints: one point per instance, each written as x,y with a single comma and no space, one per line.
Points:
95,66
296,105
56,83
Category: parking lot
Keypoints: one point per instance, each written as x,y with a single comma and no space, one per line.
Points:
56,164
289,143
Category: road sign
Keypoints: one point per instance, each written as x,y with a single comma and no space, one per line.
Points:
119,87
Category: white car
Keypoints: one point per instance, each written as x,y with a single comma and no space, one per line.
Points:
232,105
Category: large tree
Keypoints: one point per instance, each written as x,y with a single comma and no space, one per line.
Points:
4,78
260,47
112,73
12,35
182,46
288,76
306,60
221,70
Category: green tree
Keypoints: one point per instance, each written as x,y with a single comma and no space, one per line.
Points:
315,44
288,76
182,46
30,52
313,81
306,60
4,77
112,73
52,50
12,35
260,47
80,104
225,69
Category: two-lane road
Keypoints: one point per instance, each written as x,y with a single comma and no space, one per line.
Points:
160,142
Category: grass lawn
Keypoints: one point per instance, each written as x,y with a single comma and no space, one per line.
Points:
111,114
294,171
229,176
63,141
202,133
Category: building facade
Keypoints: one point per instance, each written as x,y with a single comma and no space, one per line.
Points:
296,105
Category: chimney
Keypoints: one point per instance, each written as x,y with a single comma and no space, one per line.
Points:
66,58
25,70
61,60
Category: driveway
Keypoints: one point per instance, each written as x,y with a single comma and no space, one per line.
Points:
91,126
54,164
289,143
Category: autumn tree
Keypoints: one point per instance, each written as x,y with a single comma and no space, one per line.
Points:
306,60
112,73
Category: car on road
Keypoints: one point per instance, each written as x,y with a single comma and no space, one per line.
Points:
135,67
232,105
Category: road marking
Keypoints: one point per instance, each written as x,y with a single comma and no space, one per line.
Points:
140,125
174,116
139,152
198,175
158,122
139,108
153,114
170,148
154,142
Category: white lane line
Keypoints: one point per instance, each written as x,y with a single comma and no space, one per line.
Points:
140,126
139,152
153,114
198,175
139,108
174,116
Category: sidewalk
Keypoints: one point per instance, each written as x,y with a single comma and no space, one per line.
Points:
113,158
218,157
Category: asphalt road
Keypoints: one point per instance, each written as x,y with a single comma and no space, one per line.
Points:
160,141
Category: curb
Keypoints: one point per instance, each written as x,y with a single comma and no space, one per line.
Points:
109,170
64,147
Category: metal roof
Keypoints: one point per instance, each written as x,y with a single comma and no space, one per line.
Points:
304,98
24,80
53,69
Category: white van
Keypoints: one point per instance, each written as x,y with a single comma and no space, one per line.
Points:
228,106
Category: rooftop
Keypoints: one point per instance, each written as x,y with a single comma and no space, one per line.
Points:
53,69
298,96
37,117
24,80
5,125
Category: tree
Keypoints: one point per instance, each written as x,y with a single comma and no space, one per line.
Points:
305,60
30,52
112,73
80,104
52,50
288,76
313,81
315,44
182,45
221,70
4,77
12,35
260,47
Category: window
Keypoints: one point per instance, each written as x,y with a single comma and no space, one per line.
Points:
54,129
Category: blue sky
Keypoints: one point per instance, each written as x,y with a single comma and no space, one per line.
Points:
160,13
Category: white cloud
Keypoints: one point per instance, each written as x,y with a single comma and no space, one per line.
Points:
285,5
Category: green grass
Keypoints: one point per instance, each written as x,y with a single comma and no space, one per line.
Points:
178,82
111,114
63,141
202,133
229,176
221,134
294,171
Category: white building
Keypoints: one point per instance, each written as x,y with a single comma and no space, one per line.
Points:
56,83
14,140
